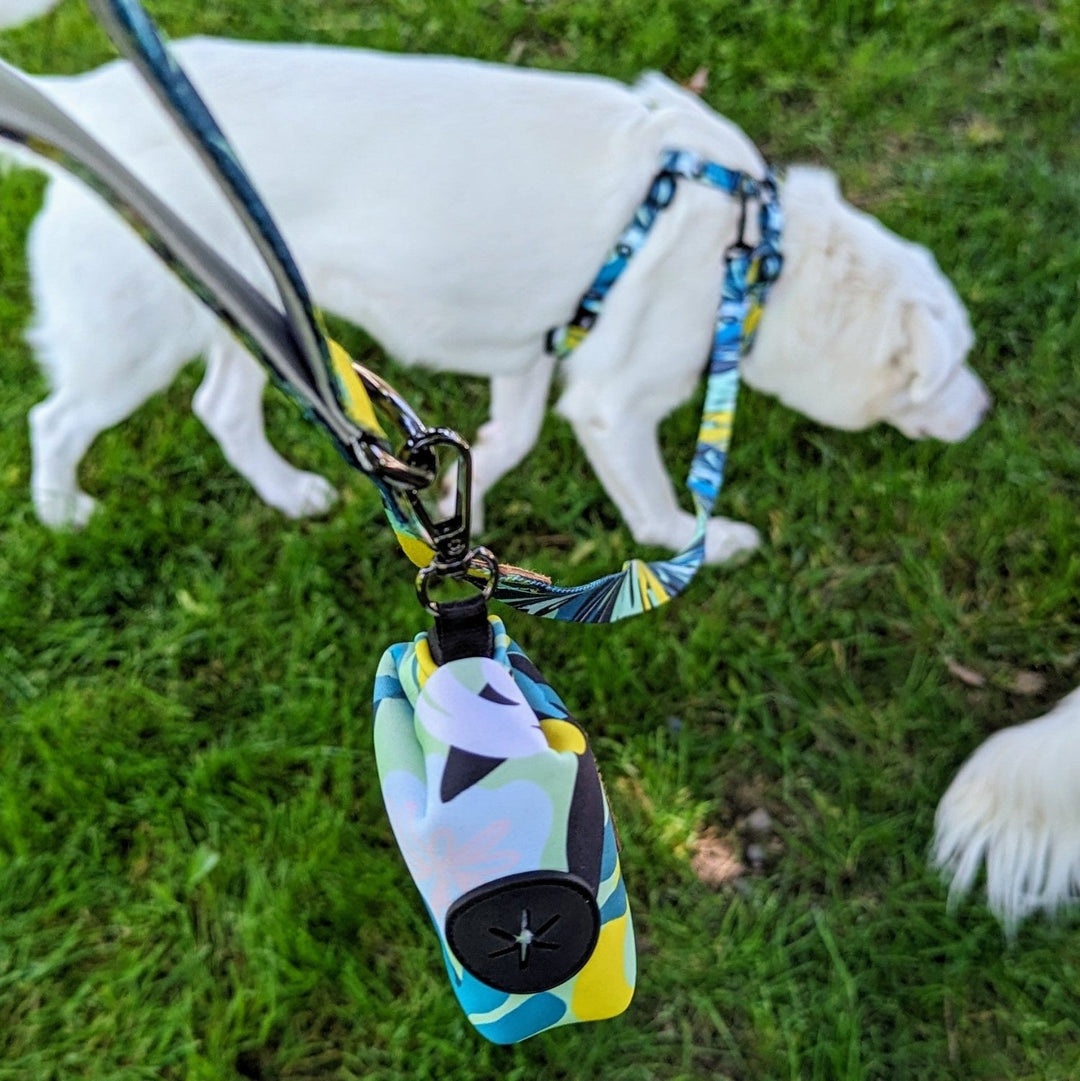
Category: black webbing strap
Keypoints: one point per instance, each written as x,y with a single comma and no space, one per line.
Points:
461,630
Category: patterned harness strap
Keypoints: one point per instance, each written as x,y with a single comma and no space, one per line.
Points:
639,586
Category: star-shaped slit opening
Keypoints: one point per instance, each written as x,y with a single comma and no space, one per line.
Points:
524,939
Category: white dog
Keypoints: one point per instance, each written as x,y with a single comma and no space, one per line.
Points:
1015,806
457,210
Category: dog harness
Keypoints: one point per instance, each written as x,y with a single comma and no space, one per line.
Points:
490,786
749,274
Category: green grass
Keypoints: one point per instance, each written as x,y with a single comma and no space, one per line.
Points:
197,879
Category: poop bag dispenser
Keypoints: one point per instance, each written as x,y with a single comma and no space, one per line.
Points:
498,808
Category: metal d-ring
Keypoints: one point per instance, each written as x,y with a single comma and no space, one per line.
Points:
478,566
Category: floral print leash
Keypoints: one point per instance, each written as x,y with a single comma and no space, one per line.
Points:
491,788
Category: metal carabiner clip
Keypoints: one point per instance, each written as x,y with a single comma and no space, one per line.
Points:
450,535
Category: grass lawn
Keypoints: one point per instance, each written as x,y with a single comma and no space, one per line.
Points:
197,879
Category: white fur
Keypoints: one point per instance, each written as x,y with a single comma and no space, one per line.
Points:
1015,807
13,12
457,210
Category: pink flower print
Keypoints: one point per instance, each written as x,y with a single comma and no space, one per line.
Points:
445,867
480,835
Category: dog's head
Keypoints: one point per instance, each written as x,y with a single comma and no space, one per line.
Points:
862,326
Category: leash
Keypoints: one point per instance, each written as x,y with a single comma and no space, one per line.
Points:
749,274
473,746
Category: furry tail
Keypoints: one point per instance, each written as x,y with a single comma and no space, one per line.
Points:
13,12
1015,807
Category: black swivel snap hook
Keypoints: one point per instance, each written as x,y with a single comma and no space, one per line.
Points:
455,558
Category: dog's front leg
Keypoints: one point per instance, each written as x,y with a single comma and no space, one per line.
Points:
229,403
626,457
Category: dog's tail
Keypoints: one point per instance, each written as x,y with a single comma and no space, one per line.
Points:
1015,808
14,12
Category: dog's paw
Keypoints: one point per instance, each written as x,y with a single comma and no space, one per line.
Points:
726,539
64,510
310,496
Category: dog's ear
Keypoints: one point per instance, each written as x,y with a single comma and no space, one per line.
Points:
813,194
925,357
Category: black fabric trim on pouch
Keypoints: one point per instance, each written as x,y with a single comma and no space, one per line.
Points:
461,630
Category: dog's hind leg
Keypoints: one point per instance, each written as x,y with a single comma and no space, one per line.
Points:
61,431
98,381
112,327
82,405
229,403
